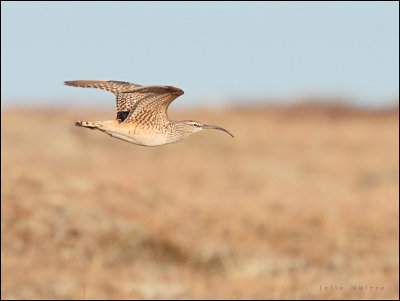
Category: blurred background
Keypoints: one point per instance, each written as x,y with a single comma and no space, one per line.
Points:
302,204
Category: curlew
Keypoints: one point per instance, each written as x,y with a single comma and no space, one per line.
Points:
142,114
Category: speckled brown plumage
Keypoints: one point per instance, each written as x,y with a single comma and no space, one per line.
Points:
124,101
142,113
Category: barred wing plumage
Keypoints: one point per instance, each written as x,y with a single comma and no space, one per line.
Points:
151,108
124,101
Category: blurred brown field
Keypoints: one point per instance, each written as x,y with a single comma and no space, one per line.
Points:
302,203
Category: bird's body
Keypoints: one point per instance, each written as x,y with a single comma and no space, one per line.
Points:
142,114
137,133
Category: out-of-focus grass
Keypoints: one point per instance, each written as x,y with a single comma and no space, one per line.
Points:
302,197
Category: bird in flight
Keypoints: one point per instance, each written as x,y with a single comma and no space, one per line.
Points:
142,114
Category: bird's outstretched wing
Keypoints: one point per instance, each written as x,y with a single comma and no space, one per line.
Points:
151,108
125,101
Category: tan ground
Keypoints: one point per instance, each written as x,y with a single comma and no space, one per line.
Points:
301,198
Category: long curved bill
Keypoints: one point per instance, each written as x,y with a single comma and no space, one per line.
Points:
205,126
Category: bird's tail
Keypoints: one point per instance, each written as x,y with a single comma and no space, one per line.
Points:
89,124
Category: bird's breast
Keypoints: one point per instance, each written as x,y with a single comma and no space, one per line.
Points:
140,134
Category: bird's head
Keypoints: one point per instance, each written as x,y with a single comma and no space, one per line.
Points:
190,127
